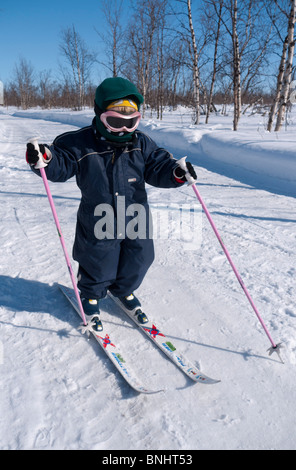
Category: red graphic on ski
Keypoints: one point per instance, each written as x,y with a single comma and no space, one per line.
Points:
153,331
106,341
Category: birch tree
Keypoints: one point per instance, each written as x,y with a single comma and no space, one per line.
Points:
196,83
287,73
114,36
196,44
231,25
177,52
141,38
218,8
250,38
79,60
274,107
24,83
45,88
237,97
162,57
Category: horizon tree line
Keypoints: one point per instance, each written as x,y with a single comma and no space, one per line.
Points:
205,54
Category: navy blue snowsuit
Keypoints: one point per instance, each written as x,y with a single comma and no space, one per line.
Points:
104,172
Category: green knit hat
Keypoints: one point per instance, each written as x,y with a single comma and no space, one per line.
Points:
115,88
109,90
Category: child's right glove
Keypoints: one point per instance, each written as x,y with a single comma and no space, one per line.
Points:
32,154
179,173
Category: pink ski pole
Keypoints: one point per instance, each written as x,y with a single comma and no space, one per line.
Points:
191,181
40,165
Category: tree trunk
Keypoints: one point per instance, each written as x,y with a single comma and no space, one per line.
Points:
195,66
214,62
236,70
279,85
288,68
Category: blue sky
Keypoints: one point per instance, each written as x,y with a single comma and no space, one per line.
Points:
32,30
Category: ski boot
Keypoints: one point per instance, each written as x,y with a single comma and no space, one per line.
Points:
131,303
92,313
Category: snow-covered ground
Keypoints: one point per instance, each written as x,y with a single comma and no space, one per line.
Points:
59,391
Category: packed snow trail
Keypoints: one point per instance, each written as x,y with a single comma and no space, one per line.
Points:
56,394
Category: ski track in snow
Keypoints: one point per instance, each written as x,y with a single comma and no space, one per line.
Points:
59,391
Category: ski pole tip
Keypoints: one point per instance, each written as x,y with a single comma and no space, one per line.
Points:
276,349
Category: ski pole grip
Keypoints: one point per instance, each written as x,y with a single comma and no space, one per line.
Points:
182,164
40,163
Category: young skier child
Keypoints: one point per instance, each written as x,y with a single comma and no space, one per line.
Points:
111,161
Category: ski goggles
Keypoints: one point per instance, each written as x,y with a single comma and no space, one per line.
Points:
116,122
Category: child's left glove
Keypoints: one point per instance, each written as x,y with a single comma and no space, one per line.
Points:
179,173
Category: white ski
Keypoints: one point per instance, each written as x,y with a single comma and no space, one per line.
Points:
163,343
106,342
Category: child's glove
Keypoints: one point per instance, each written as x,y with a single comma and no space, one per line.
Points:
179,173
33,156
